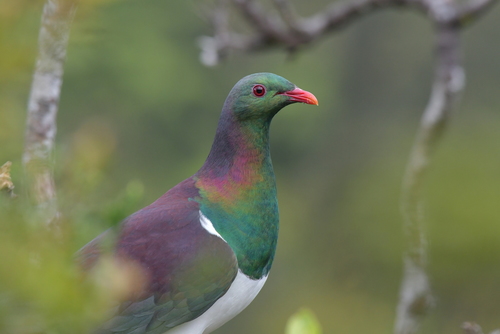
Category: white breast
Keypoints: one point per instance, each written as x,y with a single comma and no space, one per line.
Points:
240,295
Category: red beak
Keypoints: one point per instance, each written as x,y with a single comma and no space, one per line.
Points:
299,95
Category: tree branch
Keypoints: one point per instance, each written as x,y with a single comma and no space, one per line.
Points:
415,294
43,104
288,14
473,328
290,31
339,15
257,16
472,11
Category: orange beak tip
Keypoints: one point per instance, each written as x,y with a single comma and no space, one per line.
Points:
300,95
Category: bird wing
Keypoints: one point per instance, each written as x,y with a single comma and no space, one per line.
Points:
187,268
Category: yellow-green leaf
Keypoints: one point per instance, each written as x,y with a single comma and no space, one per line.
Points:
303,322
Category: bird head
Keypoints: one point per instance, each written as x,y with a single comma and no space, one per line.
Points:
262,95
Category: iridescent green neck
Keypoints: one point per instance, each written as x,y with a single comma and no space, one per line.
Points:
238,192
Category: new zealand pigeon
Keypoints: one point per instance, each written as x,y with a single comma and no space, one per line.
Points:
206,246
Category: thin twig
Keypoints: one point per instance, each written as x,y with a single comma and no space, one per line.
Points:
43,104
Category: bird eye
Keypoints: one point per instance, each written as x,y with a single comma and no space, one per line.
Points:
259,90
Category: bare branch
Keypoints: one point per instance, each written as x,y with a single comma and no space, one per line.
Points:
339,15
448,83
472,328
273,31
415,297
288,14
216,48
472,11
290,31
256,15
211,52
43,104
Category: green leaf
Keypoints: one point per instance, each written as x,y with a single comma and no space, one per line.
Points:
303,322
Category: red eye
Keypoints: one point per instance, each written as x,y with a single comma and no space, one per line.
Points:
259,90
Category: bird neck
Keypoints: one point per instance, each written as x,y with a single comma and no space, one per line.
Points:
238,192
239,153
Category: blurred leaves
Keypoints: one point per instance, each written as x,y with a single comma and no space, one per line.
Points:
19,23
88,155
19,28
303,322
41,289
126,203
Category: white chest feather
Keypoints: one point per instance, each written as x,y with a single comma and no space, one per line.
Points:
240,294
207,225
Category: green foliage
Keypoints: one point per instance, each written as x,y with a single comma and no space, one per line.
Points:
41,288
120,208
303,322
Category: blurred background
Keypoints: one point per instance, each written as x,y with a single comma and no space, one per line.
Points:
138,112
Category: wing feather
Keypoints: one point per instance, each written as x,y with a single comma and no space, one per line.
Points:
187,268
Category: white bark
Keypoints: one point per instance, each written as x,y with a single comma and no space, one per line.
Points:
43,105
415,298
